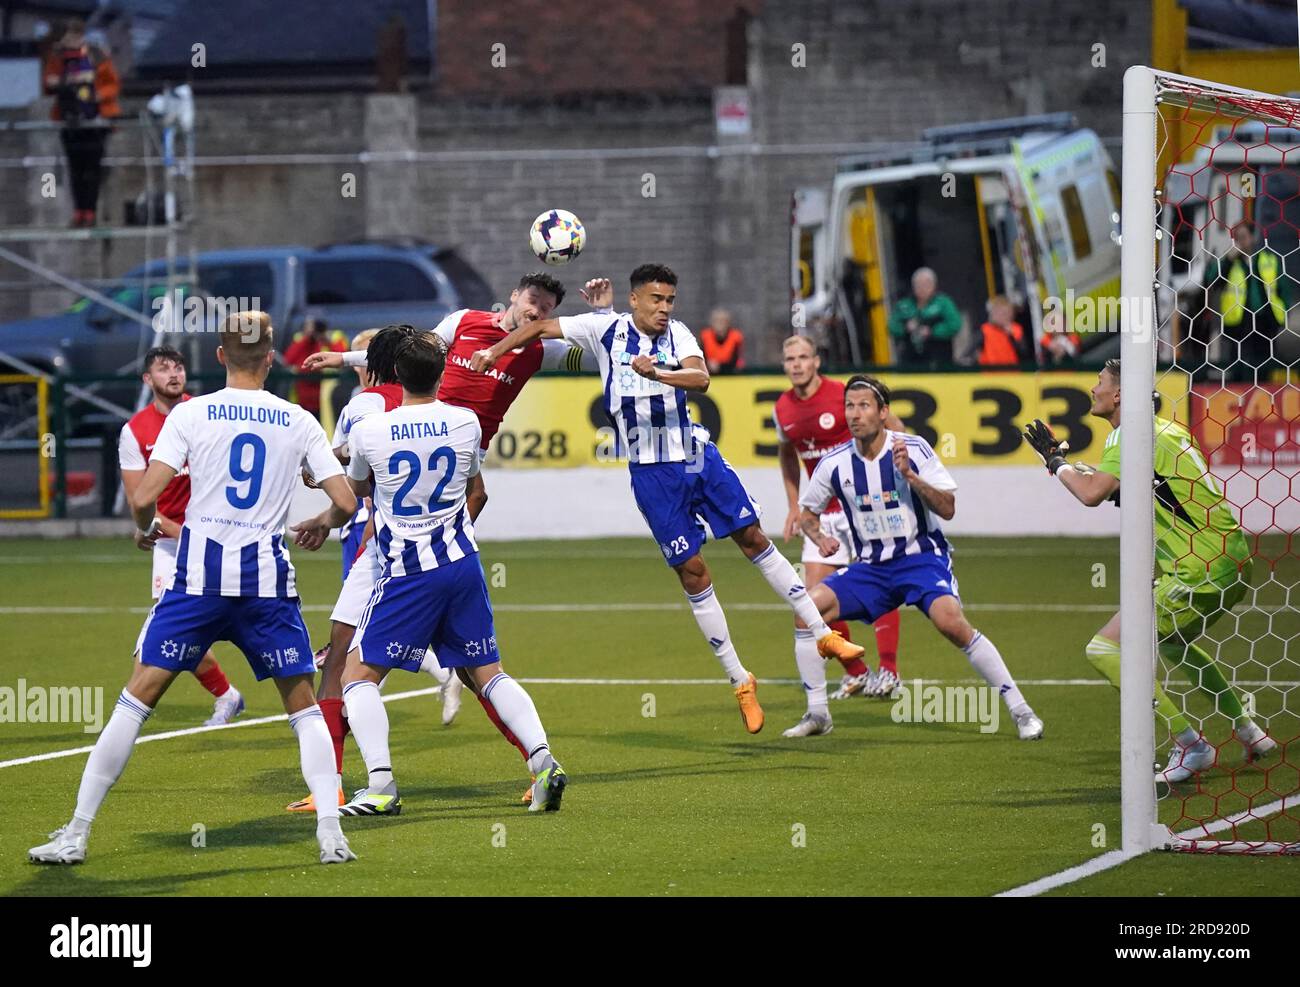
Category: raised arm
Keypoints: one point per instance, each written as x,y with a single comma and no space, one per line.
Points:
484,360
1090,487
331,360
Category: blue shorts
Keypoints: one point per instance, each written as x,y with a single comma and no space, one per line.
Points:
269,631
446,609
675,497
868,590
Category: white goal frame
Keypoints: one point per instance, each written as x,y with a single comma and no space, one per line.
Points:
1144,89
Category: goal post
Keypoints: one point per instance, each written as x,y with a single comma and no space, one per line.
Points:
1210,323
1137,376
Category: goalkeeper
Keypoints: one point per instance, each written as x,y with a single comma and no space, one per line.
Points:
1203,562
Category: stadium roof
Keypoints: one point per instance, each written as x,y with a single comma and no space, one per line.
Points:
335,37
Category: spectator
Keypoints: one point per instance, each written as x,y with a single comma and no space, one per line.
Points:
924,324
1253,299
1003,338
1056,344
723,344
315,336
85,87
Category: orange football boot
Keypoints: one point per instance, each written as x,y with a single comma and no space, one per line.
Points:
751,713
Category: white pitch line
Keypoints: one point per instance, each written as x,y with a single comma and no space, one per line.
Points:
1106,861
719,683
1113,858
190,731
571,555
1109,859
72,611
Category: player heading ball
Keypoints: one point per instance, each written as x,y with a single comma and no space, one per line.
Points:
649,362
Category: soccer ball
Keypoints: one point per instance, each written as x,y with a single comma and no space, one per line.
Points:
557,237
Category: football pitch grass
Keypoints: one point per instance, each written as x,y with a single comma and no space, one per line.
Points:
680,802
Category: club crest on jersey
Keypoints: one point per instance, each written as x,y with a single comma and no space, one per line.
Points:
826,421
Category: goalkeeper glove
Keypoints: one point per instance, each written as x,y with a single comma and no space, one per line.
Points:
1050,449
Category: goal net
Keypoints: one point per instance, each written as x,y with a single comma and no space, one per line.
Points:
1210,486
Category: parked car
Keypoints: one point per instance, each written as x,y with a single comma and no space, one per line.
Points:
351,285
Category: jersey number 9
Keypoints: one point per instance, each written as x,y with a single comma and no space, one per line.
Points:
252,475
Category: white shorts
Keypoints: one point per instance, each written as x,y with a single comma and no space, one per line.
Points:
164,564
358,586
837,526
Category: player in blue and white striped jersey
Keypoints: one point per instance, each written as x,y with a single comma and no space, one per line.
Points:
431,592
649,361
234,581
894,492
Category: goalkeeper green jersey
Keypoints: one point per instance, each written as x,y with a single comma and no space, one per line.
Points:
1197,535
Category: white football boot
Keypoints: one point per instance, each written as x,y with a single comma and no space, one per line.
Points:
451,696
1186,762
851,685
882,684
334,847
226,708
1258,744
810,725
1029,726
63,848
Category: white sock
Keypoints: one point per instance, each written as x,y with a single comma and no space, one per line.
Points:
369,722
430,666
713,625
106,761
812,670
780,575
517,712
1187,737
316,753
988,662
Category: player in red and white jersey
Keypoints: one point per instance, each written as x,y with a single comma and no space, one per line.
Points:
490,395
164,373
810,422
465,331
